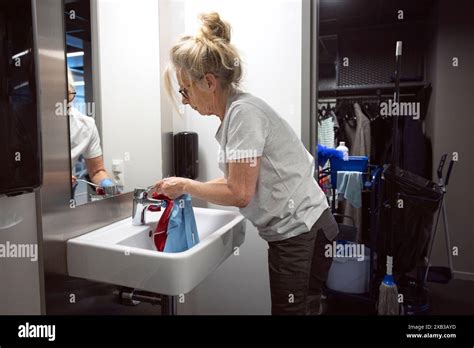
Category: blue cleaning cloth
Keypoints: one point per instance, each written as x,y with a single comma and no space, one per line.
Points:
182,230
325,153
349,187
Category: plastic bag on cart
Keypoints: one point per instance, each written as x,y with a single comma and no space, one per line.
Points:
418,201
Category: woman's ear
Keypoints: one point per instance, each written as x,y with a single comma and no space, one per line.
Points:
211,82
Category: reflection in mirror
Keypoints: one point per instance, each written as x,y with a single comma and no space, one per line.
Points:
89,178
114,76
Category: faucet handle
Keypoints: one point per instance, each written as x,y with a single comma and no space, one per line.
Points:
141,196
140,193
142,203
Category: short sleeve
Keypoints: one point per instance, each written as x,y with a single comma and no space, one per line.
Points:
94,149
247,133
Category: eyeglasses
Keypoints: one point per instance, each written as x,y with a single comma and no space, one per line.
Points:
184,93
72,95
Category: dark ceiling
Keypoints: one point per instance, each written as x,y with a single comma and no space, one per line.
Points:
340,15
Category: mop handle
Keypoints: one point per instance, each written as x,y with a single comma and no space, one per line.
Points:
389,265
393,193
399,49
398,56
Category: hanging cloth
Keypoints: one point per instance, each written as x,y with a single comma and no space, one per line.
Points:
182,230
358,137
326,132
160,234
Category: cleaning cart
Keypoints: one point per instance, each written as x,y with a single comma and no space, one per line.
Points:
401,211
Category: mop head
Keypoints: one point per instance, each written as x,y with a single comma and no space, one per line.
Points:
388,297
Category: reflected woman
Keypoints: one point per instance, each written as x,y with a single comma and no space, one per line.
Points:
85,141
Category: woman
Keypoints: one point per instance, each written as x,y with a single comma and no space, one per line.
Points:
85,141
268,173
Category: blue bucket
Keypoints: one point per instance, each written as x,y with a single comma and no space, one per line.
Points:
354,164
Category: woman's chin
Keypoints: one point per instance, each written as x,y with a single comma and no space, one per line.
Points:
202,113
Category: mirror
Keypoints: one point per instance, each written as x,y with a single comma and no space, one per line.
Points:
113,127
87,160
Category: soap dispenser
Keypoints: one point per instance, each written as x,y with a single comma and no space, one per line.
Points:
186,155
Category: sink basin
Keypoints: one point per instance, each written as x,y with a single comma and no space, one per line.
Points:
124,254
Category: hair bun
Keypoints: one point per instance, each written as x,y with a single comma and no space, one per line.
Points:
213,27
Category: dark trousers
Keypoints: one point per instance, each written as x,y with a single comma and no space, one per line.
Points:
298,269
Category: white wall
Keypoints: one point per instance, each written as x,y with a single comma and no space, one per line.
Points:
129,91
171,24
268,36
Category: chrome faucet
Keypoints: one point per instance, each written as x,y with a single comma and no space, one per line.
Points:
141,202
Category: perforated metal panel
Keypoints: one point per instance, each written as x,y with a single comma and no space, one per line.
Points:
371,57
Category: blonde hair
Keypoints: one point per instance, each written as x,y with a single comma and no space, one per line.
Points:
210,51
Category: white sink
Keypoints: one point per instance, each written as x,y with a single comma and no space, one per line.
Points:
124,254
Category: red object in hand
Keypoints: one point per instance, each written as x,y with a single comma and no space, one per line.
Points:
159,237
155,208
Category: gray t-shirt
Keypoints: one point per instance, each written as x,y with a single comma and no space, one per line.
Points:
287,200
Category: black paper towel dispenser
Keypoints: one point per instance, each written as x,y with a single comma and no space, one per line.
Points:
186,155
20,143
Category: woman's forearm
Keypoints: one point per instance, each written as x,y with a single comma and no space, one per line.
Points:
97,177
214,191
217,181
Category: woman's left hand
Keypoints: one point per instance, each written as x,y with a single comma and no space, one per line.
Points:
173,187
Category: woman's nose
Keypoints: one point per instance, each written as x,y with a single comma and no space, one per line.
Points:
184,100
